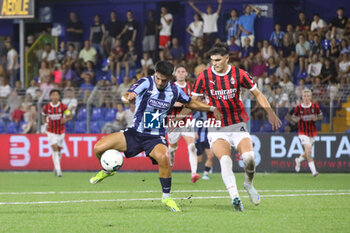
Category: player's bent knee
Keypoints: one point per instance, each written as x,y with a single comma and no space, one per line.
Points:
162,159
192,148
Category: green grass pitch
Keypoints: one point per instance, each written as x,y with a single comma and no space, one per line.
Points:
130,202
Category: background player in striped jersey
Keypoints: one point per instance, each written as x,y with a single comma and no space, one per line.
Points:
188,134
306,114
54,115
202,144
154,98
221,84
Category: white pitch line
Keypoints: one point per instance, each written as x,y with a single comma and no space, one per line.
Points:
175,191
177,198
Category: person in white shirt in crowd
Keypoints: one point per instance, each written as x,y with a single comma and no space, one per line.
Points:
282,69
318,26
5,91
314,69
32,88
344,67
195,29
147,64
129,115
210,27
166,24
124,87
119,123
302,50
286,84
69,100
49,55
12,63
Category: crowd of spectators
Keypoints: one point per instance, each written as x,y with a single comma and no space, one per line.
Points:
312,53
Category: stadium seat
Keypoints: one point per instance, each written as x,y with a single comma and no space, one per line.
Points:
81,116
95,127
80,127
11,127
255,126
267,127
110,114
69,126
1,127
96,114
325,44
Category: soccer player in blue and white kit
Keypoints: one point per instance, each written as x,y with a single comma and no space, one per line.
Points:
155,97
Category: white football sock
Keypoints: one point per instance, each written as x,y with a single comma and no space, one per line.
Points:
56,161
301,158
172,150
192,153
227,176
249,166
312,167
166,195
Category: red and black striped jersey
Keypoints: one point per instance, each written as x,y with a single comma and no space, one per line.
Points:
54,114
187,88
223,92
306,126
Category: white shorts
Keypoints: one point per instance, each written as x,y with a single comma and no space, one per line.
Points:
55,139
306,139
174,136
233,134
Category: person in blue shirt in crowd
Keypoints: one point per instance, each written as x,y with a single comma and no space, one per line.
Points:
246,23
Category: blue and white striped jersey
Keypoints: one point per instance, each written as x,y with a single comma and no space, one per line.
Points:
152,105
203,131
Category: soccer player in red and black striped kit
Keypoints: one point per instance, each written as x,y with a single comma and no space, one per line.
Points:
306,114
54,116
188,134
221,84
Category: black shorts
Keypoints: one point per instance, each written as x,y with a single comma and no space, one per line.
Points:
201,146
137,142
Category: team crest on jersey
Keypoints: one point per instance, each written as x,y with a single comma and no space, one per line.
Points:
232,80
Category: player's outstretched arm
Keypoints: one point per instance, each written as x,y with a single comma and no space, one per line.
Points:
129,97
273,119
200,106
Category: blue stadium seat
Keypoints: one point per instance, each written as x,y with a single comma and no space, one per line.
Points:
80,127
81,116
255,126
11,127
96,114
325,44
70,126
1,127
267,127
95,127
110,114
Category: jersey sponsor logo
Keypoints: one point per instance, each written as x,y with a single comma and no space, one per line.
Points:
224,94
55,117
159,104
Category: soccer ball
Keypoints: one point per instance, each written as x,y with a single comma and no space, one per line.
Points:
112,160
